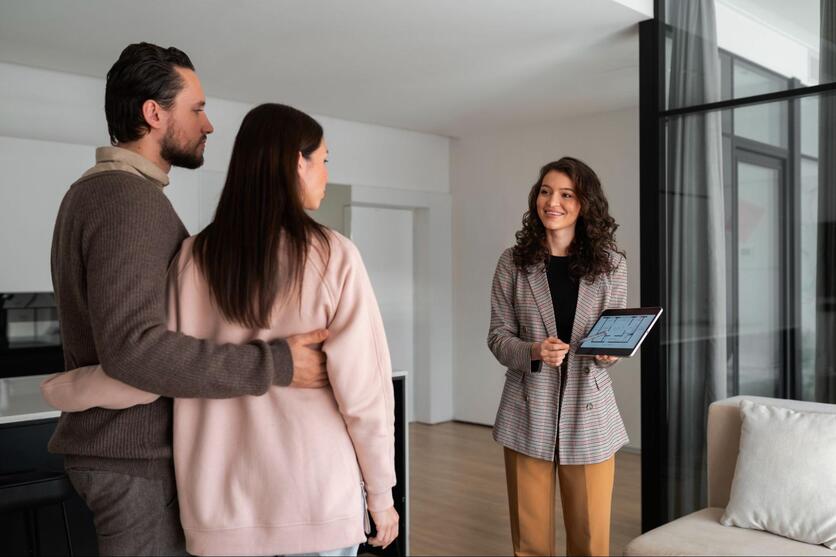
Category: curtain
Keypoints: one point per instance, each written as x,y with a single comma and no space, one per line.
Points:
826,255
696,280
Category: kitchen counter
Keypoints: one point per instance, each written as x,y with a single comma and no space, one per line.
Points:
21,401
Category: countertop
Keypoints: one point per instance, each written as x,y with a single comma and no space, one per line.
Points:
20,400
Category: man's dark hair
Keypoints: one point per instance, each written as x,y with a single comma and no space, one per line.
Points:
144,71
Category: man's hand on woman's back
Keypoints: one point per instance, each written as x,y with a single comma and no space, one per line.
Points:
308,360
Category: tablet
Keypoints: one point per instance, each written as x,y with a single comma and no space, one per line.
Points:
619,332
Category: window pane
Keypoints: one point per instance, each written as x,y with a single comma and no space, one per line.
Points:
759,270
809,126
749,252
781,38
809,249
749,80
766,123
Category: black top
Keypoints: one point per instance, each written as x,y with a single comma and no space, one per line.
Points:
564,291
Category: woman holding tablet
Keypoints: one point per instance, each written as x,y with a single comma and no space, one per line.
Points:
558,418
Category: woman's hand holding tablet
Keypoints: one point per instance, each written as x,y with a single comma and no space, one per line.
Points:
619,332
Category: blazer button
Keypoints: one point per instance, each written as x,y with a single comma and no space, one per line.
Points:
586,371
589,406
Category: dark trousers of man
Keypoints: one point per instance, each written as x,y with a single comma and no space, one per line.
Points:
132,515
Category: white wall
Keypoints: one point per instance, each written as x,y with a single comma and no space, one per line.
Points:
644,7
432,252
389,261
490,179
331,211
29,188
50,123
67,108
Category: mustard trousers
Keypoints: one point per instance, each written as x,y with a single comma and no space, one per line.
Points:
585,494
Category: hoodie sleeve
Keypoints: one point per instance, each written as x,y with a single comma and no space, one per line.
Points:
360,372
87,387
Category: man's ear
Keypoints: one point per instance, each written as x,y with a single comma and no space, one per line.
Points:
153,114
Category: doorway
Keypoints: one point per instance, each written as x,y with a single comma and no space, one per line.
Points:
384,237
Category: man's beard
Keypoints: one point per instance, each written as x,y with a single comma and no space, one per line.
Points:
179,156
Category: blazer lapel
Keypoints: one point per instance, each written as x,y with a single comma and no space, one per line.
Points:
585,309
542,295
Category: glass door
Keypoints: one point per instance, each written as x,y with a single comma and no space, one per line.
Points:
758,260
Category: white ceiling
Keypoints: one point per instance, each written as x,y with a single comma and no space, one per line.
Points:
450,67
799,19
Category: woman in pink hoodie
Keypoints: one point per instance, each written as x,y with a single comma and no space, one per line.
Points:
295,470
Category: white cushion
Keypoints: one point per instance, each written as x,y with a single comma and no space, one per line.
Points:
785,478
701,533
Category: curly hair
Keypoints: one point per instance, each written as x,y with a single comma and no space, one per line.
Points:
594,230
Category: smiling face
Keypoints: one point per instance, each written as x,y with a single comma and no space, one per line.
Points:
557,202
313,176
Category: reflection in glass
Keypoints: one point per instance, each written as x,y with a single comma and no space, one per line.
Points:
695,290
810,127
766,123
760,272
751,80
781,38
807,287
825,366
769,217
748,206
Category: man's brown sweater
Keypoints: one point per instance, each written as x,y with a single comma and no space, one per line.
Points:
114,237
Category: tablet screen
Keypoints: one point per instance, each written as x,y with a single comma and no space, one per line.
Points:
619,332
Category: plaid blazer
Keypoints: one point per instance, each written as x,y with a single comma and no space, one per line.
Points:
588,428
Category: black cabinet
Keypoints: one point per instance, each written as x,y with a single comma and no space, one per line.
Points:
23,449
400,493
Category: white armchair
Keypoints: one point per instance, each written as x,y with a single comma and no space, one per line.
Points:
701,533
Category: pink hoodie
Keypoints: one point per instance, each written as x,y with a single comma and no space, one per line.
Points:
278,473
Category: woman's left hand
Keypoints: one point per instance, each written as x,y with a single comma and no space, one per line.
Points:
600,359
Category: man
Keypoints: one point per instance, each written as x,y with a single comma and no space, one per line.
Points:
114,237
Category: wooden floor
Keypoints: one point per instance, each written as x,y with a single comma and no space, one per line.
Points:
459,504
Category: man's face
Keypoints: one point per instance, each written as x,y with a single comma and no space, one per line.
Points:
188,126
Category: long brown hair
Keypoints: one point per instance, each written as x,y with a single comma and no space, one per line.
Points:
255,250
595,229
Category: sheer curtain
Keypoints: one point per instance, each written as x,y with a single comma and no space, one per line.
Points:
826,257
696,289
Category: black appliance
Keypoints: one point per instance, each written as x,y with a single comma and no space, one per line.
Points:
30,340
